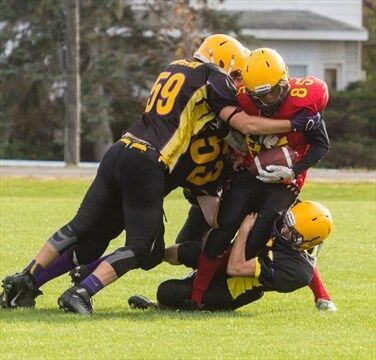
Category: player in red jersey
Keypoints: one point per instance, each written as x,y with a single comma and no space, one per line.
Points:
267,92
308,93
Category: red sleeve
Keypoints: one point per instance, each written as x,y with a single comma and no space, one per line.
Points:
246,104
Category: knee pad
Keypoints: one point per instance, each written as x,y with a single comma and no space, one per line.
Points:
156,253
172,293
188,253
123,260
155,257
63,238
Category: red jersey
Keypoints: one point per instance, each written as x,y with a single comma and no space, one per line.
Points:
308,93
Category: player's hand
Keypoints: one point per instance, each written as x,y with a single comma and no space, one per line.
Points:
276,173
304,122
236,140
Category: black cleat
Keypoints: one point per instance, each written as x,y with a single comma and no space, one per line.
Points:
19,291
79,274
76,300
141,302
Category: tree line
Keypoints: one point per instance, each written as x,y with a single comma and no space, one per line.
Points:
122,48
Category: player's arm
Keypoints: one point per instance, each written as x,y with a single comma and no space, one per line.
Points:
223,101
319,147
237,264
253,125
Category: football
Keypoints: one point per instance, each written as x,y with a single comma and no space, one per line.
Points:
283,156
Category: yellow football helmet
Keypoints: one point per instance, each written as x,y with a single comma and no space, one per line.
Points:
310,223
222,50
265,77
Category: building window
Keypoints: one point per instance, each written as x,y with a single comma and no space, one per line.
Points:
297,70
330,76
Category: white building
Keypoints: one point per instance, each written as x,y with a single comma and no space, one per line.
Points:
315,37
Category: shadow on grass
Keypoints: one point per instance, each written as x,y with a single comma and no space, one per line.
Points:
50,316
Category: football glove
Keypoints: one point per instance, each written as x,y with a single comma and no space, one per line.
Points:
275,173
236,140
304,122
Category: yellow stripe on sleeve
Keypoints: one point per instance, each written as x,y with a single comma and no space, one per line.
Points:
192,120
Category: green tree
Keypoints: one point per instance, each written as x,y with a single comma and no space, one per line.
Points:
31,109
122,50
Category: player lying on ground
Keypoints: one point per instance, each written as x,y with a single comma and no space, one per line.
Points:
285,265
195,228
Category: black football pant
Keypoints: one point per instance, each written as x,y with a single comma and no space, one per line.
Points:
282,269
247,194
126,194
195,226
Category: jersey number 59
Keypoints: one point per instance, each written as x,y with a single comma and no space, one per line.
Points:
164,92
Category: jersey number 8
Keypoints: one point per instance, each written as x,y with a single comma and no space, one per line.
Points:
164,93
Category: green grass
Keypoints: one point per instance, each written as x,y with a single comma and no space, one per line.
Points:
276,327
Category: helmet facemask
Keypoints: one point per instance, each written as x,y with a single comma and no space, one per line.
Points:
286,233
269,99
292,235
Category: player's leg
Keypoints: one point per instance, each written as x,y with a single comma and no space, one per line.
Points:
322,298
21,289
80,272
232,209
275,199
193,230
195,226
175,294
186,253
85,255
142,187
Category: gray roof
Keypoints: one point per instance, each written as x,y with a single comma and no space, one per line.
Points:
290,20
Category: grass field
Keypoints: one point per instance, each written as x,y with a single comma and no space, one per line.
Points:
276,327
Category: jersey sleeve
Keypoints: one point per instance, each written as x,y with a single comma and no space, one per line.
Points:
285,270
221,91
319,142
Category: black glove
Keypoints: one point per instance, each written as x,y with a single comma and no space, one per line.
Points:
304,122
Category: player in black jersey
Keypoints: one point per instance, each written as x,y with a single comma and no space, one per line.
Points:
285,265
132,176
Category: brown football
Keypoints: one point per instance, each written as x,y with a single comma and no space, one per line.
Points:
283,156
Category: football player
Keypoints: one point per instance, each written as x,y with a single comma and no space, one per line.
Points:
284,265
267,92
132,176
195,229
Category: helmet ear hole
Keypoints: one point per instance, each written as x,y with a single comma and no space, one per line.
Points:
221,64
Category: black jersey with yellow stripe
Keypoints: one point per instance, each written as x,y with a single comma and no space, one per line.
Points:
206,165
186,95
278,268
